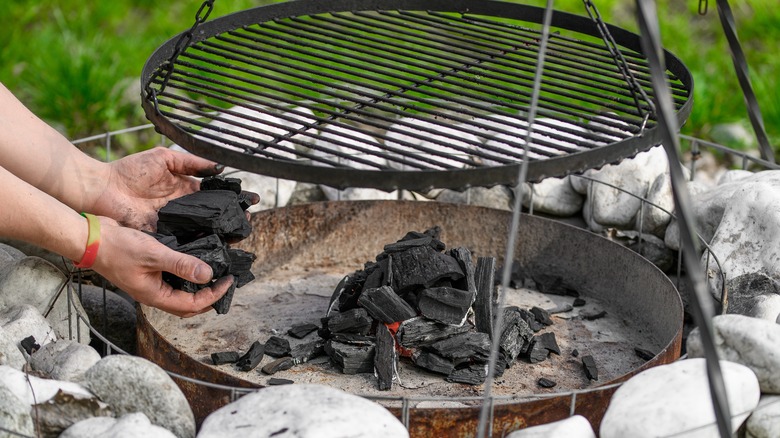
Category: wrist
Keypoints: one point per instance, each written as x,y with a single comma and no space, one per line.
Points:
92,242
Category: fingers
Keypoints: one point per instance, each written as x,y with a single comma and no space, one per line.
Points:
190,164
186,305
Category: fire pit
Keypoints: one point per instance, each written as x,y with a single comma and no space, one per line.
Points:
304,251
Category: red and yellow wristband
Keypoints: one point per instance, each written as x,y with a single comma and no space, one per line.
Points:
93,242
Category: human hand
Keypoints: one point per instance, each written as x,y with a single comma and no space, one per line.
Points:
135,261
140,184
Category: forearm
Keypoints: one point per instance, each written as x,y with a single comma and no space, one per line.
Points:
39,155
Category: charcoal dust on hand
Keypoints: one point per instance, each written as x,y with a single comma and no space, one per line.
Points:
201,224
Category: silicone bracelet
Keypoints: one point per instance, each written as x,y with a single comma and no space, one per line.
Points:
93,242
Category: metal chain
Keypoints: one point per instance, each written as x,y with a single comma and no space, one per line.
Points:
181,45
636,90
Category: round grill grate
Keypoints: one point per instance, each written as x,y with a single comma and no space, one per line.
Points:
406,94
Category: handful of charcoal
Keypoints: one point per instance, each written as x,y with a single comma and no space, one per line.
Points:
202,224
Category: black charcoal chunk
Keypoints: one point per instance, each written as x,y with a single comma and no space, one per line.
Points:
307,351
165,239
468,282
351,359
417,332
589,365
484,275
473,374
203,213
384,357
546,383
515,339
575,352
30,345
224,357
353,339
352,321
384,305
222,305
530,319
300,331
463,346
251,358
281,364
422,266
240,265
275,381
588,316
377,274
547,340
578,302
434,233
445,304
541,315
277,347
553,285
537,353
433,362
644,354
219,182
403,245
347,292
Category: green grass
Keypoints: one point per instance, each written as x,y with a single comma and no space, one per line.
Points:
77,64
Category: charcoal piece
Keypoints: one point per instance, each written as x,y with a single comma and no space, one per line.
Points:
219,182
347,292
251,358
30,345
224,357
277,347
516,337
537,353
575,352
307,351
433,362
422,266
281,364
462,347
546,383
484,273
351,359
578,302
222,305
541,315
553,285
240,265
275,381
377,274
593,316
547,340
352,321
384,357
644,354
434,233
202,213
530,319
473,374
468,282
300,331
353,339
445,304
384,305
245,200
417,332
165,239
589,365
403,245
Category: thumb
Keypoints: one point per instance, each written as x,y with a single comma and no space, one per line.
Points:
190,268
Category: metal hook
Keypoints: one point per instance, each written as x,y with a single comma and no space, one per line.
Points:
703,6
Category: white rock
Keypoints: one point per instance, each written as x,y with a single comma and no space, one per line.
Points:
304,411
653,214
550,138
733,175
22,321
133,384
135,425
35,281
423,138
31,390
611,206
755,294
752,342
553,196
64,360
672,234
14,414
572,427
498,197
10,353
765,420
674,400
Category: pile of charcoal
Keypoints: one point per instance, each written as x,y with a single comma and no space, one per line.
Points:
433,306
203,224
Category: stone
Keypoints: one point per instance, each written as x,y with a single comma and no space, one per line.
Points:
302,411
498,197
764,422
22,321
648,246
31,389
672,399
134,425
119,321
655,214
733,175
64,360
19,249
14,415
752,342
35,281
576,426
589,366
554,196
447,146
133,384
10,354
754,294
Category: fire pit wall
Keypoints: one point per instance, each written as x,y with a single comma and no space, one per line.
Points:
318,235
